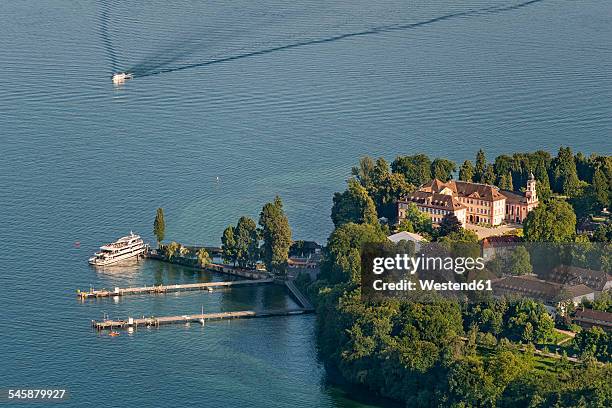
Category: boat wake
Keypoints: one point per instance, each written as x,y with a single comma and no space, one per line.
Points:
105,37
165,60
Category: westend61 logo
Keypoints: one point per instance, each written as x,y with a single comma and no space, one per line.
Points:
431,270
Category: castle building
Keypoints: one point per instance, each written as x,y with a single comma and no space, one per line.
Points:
472,203
435,204
518,205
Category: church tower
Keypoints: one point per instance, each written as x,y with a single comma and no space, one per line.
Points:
531,194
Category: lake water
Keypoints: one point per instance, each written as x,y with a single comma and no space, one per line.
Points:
272,98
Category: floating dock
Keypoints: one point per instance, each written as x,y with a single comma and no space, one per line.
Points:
196,318
167,288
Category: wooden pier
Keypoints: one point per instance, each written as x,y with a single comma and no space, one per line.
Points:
196,318
168,288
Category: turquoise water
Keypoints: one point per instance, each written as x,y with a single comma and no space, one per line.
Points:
273,98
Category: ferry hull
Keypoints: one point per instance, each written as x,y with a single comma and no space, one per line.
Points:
119,258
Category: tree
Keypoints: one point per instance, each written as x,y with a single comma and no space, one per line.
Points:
159,226
466,172
505,182
415,169
342,262
481,164
228,245
488,315
443,169
564,173
363,172
172,249
379,173
203,257
489,175
461,235
183,250
503,165
389,189
554,221
584,201
601,189
469,384
543,182
506,366
247,242
603,233
276,234
354,205
584,167
603,302
520,262
529,321
461,243
416,221
449,224
595,342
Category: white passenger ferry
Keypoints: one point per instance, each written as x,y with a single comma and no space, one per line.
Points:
124,248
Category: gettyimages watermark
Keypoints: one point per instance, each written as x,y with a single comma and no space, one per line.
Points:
421,272
555,274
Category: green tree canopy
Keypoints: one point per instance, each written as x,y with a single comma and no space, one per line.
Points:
379,173
354,205
443,169
276,234
595,342
415,169
461,243
503,165
363,173
529,321
481,164
564,173
601,189
389,189
489,176
228,245
469,383
460,235
542,182
449,224
246,242
159,226
466,172
203,257
413,352
554,221
342,262
520,261
603,233
505,182
416,221
172,249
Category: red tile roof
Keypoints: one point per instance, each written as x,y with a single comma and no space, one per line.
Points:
514,198
502,240
435,200
591,316
465,189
